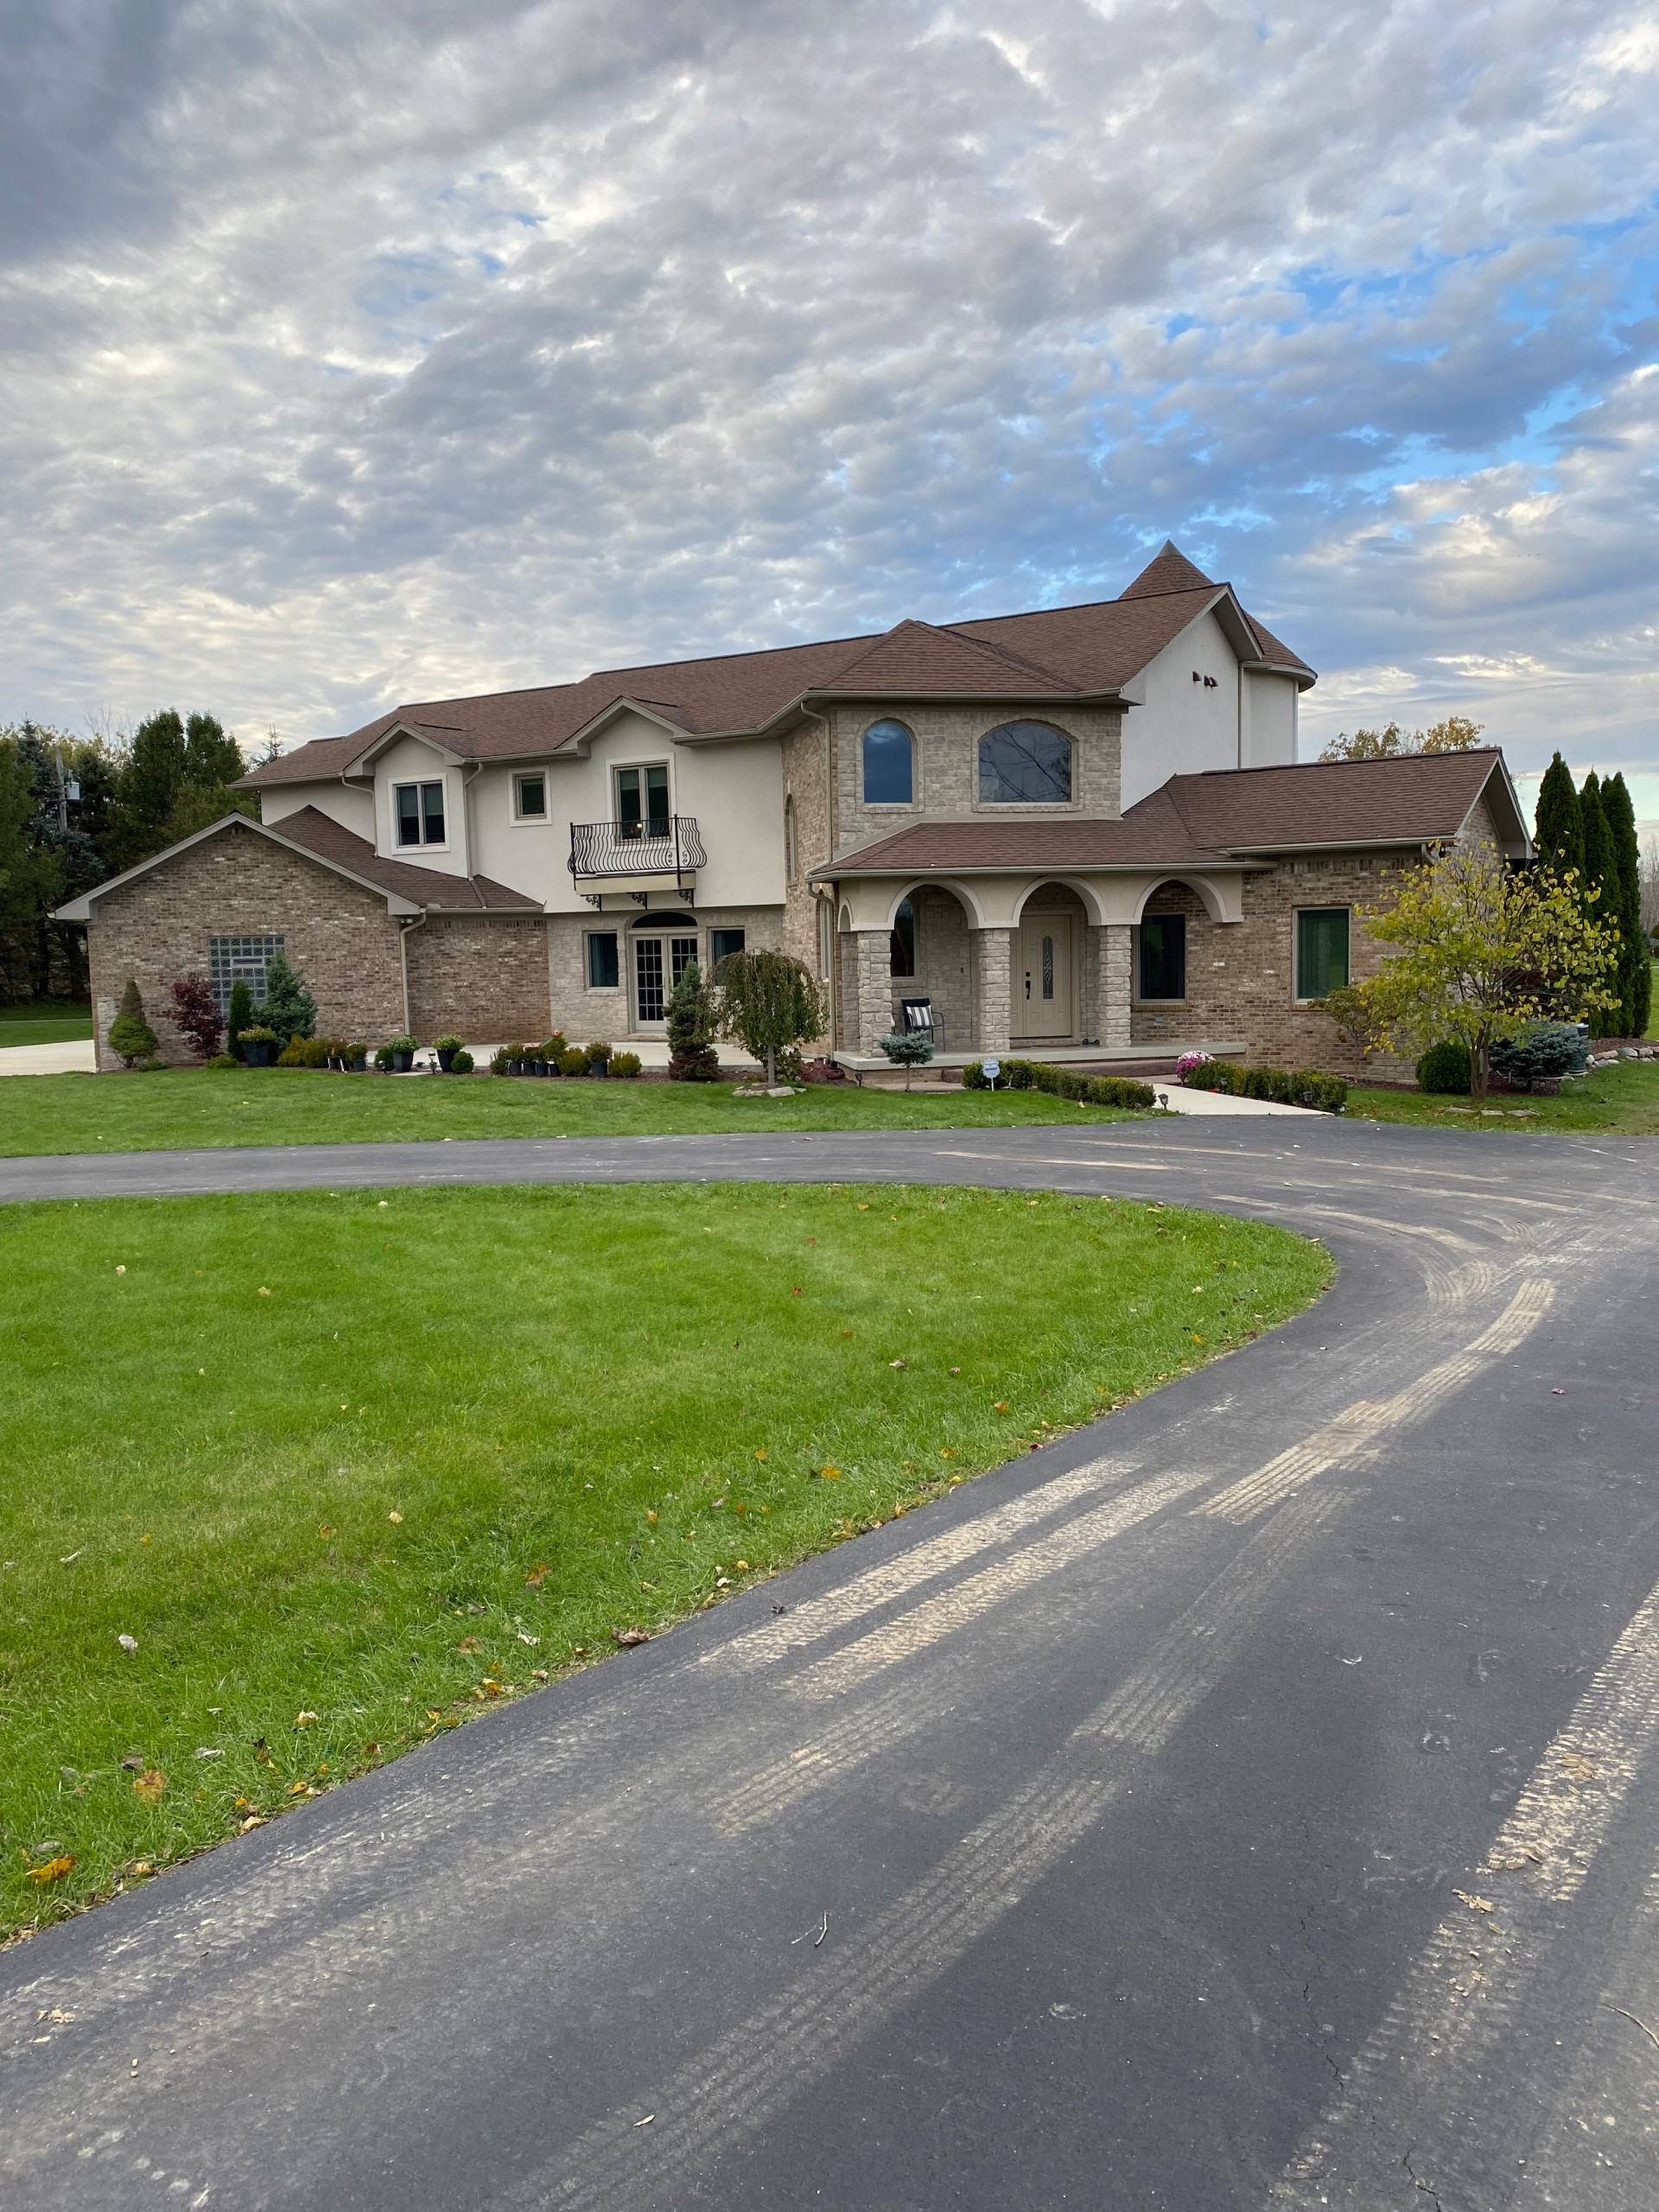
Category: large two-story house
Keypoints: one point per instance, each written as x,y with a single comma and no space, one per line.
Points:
1081,831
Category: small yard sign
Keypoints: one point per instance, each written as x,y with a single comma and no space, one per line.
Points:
991,1070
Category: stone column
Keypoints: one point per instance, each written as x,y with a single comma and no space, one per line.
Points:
873,971
992,989
1115,992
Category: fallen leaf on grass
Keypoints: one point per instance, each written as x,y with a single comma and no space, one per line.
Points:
629,1637
69,1559
537,1575
53,1871
469,1643
204,1752
487,1689
831,1474
150,1784
947,1451
303,1719
898,1363
253,1821
1000,1406
761,1453
263,1293
394,1516
328,1527
302,1789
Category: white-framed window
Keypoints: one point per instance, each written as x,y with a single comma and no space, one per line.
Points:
1025,764
417,812
529,796
233,960
642,808
604,965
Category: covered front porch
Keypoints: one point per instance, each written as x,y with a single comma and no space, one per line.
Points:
1036,966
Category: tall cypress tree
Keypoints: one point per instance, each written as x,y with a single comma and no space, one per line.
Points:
1600,875
1634,973
1559,835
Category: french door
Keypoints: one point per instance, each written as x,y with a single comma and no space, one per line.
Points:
658,964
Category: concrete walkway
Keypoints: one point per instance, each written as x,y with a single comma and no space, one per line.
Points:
1247,1802
73,1059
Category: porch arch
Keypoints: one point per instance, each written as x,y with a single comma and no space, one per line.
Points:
1207,894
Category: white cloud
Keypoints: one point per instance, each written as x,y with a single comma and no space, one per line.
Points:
367,352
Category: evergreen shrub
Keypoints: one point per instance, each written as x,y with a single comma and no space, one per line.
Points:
1544,1049
240,1017
573,1062
290,1008
131,1035
1443,1070
463,1063
693,1020
626,1065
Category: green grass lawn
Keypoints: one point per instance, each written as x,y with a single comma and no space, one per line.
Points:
44,1021
347,1468
1622,1100
188,1106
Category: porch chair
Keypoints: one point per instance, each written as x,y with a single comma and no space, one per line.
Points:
918,1015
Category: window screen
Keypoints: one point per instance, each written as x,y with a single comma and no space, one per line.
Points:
603,969
1163,956
1321,950
232,960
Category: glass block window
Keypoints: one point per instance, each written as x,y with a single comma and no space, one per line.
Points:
1321,950
232,960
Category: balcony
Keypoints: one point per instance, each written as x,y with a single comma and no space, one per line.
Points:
637,856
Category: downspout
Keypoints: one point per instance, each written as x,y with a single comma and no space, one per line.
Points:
403,929
467,782
831,979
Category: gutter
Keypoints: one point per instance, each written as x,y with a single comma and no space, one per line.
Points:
403,929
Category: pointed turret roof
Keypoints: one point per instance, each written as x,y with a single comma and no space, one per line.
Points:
1169,570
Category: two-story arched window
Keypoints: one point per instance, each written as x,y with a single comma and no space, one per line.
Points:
1025,763
889,766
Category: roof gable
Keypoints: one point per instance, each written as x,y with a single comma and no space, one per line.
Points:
1168,570
1412,798
916,656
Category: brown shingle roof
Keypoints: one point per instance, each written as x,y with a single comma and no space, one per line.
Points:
427,886
1416,796
1212,820
1055,652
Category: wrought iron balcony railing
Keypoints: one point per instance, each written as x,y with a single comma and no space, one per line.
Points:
649,848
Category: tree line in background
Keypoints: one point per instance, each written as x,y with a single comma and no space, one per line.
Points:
75,810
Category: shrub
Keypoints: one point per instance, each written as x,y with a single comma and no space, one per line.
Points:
599,1055
259,1034
625,1065
382,1057
500,1059
974,1077
1326,1094
462,1062
354,1055
1544,1049
240,1017
448,1045
196,1015
1216,1075
1189,1061
131,1035
691,1025
554,1048
573,1062
222,1062
1444,1069
290,1008
402,1044
292,1054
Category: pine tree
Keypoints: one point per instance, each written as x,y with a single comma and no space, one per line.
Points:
290,1008
690,1011
1600,875
1634,972
1559,835
129,1033
240,1016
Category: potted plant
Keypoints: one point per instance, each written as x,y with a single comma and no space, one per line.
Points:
403,1050
258,1046
599,1057
552,1051
446,1048
515,1060
536,1065
353,1059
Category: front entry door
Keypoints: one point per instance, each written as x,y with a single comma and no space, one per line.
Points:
1044,1002
658,964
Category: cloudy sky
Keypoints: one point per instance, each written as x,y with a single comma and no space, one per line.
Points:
356,352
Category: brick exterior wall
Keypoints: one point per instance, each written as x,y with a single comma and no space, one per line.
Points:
583,1014
339,938
484,977
946,760
1241,975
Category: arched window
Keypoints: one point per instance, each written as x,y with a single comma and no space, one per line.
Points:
791,856
1024,764
901,943
889,766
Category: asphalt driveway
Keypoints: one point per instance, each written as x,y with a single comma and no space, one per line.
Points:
1250,1800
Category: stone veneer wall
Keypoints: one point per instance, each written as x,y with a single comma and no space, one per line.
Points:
806,783
484,978
583,1014
339,937
947,765
1241,975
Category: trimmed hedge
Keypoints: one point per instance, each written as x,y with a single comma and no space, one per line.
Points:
1062,1083
1326,1094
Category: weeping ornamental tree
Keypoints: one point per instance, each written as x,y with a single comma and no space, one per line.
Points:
1481,951
769,1003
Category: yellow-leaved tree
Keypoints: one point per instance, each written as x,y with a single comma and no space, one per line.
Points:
1481,950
